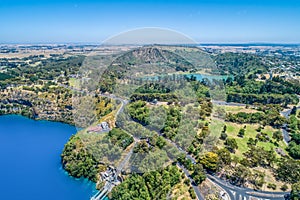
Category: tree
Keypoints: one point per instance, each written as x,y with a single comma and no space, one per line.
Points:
161,142
284,187
133,187
210,161
294,110
224,156
199,174
277,135
139,112
252,142
231,144
224,129
293,124
272,186
240,175
192,193
294,150
288,170
241,132
258,156
223,133
150,185
223,136
296,138
78,162
295,193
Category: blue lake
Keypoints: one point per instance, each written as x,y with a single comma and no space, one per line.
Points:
199,77
30,166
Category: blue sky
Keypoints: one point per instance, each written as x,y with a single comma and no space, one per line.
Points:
206,21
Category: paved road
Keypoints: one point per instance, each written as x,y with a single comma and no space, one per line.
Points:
196,189
285,134
234,192
188,175
237,193
125,160
123,102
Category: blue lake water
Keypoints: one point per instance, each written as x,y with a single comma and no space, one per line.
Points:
199,77
30,166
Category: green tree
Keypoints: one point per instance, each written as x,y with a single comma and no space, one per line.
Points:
231,144
294,150
241,132
161,142
223,136
295,193
199,174
288,170
224,129
224,156
284,187
210,161
277,135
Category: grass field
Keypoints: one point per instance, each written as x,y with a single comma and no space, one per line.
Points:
216,127
235,109
74,82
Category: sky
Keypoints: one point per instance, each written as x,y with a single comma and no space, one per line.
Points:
206,21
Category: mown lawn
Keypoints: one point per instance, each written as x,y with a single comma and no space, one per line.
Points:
216,126
235,109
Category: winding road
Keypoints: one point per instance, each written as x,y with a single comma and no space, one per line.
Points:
233,192
285,133
245,193
123,104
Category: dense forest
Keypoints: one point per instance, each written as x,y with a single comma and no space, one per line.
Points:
248,91
78,162
151,185
240,63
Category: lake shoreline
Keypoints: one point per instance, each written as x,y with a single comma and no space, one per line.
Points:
9,121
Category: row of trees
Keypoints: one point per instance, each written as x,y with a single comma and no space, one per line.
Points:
149,97
262,98
294,129
198,172
268,117
153,88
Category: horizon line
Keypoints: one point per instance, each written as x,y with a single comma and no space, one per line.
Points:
197,43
